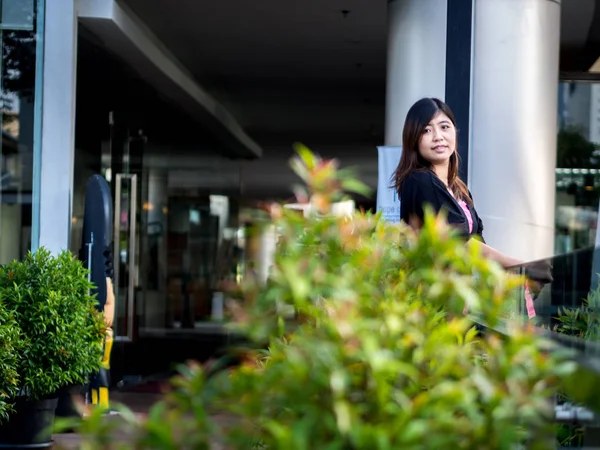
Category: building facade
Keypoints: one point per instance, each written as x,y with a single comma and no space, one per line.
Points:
190,111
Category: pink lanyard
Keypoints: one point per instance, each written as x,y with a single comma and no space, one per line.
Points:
467,212
529,302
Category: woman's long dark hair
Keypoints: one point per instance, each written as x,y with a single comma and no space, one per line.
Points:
417,119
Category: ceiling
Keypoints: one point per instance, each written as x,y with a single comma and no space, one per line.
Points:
233,43
579,35
312,69
266,41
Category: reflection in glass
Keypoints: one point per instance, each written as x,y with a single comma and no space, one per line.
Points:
17,14
17,97
578,166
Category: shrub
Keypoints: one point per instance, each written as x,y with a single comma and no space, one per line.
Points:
379,354
60,330
9,349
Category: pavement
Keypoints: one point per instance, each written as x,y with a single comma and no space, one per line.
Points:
139,403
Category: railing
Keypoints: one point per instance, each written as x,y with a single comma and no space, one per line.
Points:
575,276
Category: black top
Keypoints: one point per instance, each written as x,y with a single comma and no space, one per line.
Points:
422,188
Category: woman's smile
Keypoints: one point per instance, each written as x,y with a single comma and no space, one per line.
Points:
440,148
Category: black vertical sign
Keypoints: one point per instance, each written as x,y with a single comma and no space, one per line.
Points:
458,72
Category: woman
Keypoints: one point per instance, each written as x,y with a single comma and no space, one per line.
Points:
428,175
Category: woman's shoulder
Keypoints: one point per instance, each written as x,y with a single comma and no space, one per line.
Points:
420,179
420,176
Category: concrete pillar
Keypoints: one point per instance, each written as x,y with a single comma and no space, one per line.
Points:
416,61
512,155
58,130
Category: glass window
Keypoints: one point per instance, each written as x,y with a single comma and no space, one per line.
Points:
18,106
577,166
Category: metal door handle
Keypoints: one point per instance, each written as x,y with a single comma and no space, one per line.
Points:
132,247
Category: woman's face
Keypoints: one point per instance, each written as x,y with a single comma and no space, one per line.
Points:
438,140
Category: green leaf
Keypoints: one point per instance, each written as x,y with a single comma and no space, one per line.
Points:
306,156
343,416
299,168
356,187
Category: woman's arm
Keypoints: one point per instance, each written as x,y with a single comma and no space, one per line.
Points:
495,255
538,273
109,306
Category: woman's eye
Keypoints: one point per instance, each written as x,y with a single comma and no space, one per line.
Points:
427,130
445,127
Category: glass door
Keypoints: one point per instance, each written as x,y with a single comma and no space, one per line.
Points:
126,173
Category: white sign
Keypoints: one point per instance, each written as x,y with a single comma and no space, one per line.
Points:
387,197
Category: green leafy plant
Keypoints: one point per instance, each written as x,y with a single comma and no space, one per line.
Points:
59,329
379,353
10,346
574,150
582,322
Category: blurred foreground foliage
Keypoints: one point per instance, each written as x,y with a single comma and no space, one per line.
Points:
378,354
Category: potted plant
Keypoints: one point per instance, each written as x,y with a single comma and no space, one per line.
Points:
60,334
10,346
379,354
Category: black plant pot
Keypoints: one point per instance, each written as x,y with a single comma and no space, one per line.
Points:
68,398
29,426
